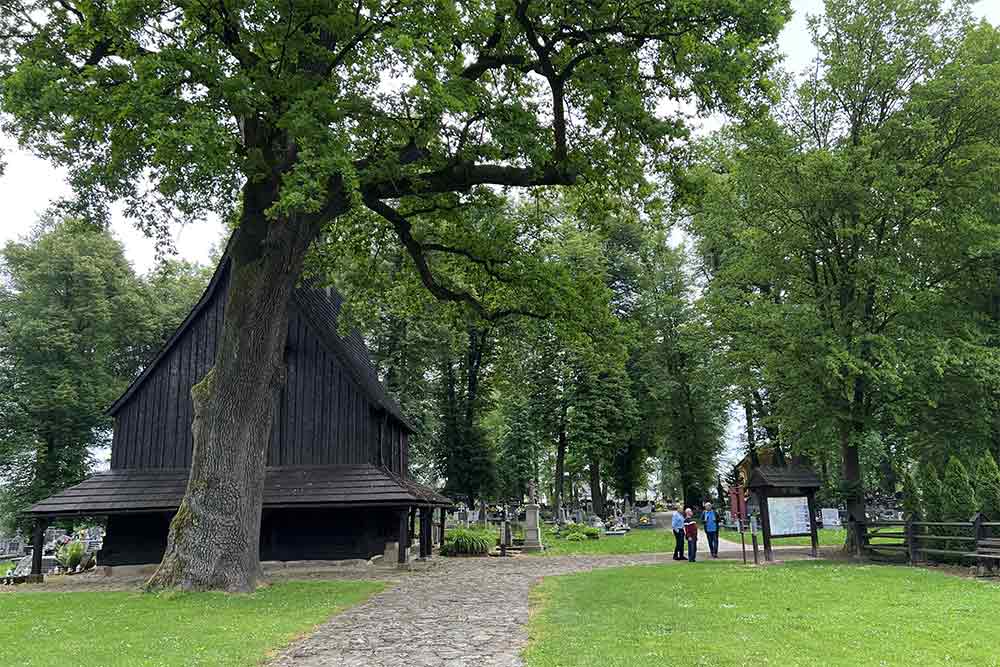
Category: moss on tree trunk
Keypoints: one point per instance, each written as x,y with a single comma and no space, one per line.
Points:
214,539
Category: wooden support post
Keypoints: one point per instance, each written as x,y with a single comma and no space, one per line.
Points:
813,533
413,518
444,514
37,545
765,526
404,536
978,532
911,540
425,533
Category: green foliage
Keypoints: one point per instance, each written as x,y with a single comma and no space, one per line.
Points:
70,554
76,324
912,503
844,234
931,493
576,532
958,498
987,483
469,542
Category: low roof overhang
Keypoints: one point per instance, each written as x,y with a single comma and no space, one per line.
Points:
131,491
784,477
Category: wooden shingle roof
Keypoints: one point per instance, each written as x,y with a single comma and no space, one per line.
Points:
147,490
784,477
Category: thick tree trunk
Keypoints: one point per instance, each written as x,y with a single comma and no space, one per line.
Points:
596,492
854,496
214,539
557,491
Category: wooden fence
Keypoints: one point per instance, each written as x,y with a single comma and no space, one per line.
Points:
977,540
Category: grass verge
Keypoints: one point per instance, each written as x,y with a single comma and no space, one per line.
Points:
828,537
636,541
132,629
796,614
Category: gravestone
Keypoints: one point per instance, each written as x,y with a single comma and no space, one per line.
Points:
532,528
831,517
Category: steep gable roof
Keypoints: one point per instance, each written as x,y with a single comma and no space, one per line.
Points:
321,309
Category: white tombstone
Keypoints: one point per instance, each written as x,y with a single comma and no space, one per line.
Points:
831,517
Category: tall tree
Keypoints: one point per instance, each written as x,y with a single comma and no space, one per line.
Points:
831,223
307,113
76,324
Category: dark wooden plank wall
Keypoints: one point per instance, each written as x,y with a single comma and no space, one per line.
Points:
322,417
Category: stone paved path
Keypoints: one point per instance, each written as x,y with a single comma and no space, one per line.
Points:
463,612
460,612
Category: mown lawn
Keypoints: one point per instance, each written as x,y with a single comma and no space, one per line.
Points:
799,613
133,629
637,540
828,537
5,565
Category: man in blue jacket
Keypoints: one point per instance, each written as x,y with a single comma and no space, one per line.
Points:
677,524
710,520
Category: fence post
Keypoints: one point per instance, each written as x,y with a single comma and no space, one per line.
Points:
978,533
911,540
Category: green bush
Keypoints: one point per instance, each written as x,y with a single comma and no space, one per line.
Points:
578,531
931,493
912,506
468,542
988,487
70,554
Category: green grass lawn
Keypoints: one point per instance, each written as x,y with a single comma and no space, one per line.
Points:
637,540
828,537
799,613
132,629
5,565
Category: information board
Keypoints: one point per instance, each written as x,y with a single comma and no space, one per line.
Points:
788,516
831,517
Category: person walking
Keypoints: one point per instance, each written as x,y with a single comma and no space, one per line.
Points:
691,533
711,522
677,523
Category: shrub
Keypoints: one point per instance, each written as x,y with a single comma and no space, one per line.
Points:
958,499
70,554
931,493
580,531
988,487
468,541
912,506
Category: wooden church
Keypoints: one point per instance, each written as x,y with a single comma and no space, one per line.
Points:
336,485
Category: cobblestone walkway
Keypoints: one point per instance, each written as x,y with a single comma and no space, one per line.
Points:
464,612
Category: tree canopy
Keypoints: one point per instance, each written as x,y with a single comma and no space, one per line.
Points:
76,326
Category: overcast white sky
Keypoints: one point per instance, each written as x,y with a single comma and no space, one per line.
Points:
30,184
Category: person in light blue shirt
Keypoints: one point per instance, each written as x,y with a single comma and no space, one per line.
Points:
710,520
677,524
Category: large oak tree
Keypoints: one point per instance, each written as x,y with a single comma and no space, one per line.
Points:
305,113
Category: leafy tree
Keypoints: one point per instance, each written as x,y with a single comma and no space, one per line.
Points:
308,115
957,494
76,325
829,228
987,486
912,505
683,401
931,493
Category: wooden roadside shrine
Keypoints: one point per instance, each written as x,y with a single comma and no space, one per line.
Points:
786,496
